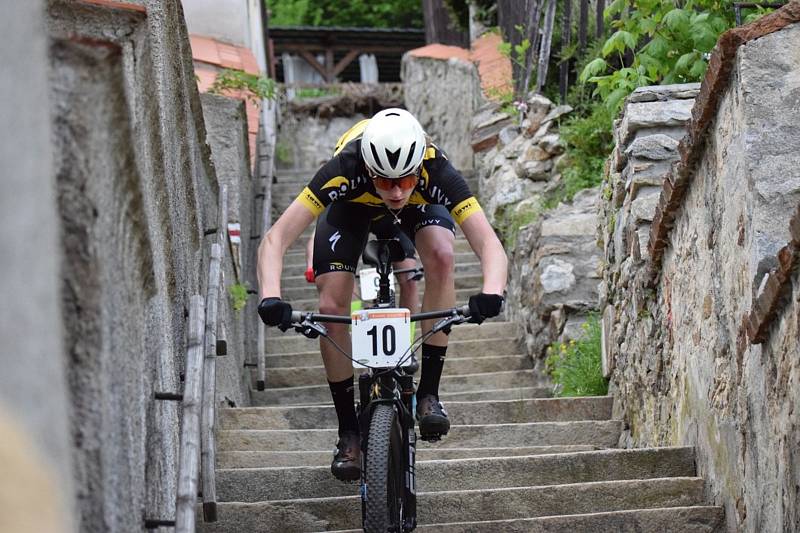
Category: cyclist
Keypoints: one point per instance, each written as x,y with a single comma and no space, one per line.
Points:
385,168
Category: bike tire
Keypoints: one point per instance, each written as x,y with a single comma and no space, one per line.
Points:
384,472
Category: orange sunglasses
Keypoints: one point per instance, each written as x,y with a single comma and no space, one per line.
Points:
404,182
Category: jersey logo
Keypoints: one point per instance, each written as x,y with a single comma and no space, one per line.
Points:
334,239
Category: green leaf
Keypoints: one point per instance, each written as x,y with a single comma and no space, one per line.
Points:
614,99
677,20
595,67
698,70
682,65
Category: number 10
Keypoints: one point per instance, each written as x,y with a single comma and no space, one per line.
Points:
388,340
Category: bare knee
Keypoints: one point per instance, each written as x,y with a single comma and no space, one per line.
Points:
440,262
334,299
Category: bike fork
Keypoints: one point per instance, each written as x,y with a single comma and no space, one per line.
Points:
410,511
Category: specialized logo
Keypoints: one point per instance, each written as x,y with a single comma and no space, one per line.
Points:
334,239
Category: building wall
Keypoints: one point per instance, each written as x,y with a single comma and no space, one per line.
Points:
36,486
137,195
226,20
686,367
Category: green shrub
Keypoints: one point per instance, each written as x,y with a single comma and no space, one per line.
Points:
576,366
589,141
238,294
255,86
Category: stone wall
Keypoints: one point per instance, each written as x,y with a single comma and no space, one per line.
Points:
137,198
695,355
307,142
444,95
553,254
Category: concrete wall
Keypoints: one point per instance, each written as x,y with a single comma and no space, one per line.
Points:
36,488
137,200
687,368
444,95
306,142
225,20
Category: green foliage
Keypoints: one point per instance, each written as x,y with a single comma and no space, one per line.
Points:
669,41
576,366
283,153
518,219
358,13
589,140
302,93
238,294
255,86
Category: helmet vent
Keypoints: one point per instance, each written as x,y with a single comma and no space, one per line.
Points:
374,154
393,157
410,155
392,114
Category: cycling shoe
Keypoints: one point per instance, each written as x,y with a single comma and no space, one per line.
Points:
432,418
346,465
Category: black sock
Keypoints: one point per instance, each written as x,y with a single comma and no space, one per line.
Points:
432,364
343,401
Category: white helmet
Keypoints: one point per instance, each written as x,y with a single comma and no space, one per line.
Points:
393,144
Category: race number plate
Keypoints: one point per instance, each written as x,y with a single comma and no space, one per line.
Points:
381,337
369,278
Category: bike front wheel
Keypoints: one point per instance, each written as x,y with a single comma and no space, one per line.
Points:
383,475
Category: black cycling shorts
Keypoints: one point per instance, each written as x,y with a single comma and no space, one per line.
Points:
343,228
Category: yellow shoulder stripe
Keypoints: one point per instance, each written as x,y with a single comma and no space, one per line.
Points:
367,198
430,153
465,209
349,135
335,182
310,201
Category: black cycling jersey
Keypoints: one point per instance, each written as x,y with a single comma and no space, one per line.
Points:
344,179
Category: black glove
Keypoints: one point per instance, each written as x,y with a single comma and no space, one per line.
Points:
275,312
483,306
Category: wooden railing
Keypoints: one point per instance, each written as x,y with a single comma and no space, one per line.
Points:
206,341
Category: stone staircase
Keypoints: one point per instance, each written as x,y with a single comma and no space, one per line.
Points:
515,459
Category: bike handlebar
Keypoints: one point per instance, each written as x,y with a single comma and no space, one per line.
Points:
299,316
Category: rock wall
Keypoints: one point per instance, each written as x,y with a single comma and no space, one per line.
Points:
701,322
307,142
444,95
553,253
36,488
137,198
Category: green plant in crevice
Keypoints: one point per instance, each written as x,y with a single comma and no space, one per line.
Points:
576,366
238,295
255,86
283,153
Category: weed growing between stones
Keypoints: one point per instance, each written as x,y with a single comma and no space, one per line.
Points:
576,366
238,294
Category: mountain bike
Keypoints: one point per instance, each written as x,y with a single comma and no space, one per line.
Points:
387,401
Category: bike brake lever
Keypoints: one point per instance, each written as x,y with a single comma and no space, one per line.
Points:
311,330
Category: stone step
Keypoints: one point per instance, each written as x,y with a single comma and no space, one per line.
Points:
312,304
297,345
470,413
295,274
300,289
313,359
603,433
234,459
292,184
309,375
321,395
320,514
462,255
460,245
462,332
263,484
696,519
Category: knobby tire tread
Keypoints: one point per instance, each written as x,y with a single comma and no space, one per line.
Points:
378,475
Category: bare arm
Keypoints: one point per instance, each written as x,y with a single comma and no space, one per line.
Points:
484,242
273,246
